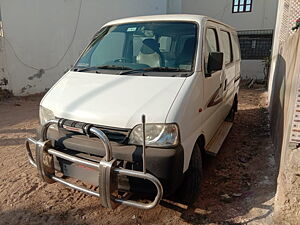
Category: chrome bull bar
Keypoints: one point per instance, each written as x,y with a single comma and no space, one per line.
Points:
107,167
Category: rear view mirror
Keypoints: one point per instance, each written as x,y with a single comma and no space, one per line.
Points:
215,62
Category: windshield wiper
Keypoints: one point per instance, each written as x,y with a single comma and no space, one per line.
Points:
108,67
165,69
154,69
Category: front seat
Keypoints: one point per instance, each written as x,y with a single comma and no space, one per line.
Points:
150,54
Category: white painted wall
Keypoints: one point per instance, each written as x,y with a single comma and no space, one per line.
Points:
263,15
252,69
174,6
38,33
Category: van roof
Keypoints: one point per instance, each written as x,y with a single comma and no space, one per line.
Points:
167,17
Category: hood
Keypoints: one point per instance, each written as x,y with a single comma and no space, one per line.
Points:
112,100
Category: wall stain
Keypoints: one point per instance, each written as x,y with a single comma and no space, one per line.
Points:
3,81
28,86
38,75
4,93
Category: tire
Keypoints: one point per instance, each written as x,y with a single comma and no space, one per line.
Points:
231,115
190,187
233,110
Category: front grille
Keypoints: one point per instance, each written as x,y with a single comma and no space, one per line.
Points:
119,135
116,135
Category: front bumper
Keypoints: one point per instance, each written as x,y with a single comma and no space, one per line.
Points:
110,166
164,163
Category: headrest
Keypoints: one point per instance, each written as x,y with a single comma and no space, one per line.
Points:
150,46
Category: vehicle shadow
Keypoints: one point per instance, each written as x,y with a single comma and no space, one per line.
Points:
239,184
19,109
30,216
17,139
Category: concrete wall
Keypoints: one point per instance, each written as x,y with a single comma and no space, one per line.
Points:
42,38
174,6
284,113
263,15
288,12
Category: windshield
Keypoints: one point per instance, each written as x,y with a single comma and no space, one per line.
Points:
154,48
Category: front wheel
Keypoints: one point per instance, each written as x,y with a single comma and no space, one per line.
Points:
231,115
190,187
233,110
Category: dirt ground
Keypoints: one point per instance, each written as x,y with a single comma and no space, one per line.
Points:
238,185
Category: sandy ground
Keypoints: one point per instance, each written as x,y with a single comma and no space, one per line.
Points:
238,185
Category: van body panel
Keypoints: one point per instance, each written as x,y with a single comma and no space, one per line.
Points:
229,72
112,100
185,112
197,103
204,101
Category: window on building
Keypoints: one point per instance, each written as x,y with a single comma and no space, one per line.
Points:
256,44
240,6
227,46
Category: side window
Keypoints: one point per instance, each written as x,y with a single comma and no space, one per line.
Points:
227,46
211,44
236,47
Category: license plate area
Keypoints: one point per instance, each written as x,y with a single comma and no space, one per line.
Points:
77,171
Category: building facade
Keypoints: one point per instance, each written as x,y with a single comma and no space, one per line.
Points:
46,37
255,22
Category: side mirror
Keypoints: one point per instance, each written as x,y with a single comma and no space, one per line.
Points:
215,62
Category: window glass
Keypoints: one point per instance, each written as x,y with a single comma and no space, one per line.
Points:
138,43
211,40
236,47
165,43
248,8
145,45
211,44
240,6
226,44
106,52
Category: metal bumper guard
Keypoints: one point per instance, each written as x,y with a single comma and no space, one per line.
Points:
108,169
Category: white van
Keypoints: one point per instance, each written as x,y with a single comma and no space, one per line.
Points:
145,99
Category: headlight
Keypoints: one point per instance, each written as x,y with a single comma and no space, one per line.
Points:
45,115
157,135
